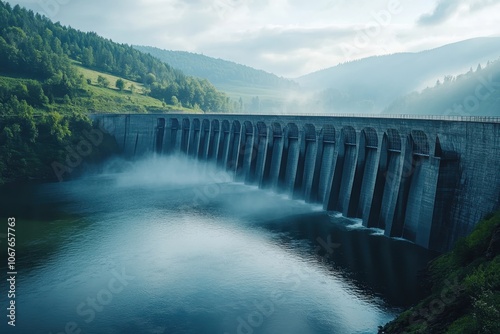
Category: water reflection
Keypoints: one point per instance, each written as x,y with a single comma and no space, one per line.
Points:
234,259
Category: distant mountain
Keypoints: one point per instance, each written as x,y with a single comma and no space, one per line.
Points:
368,85
238,81
218,71
371,84
475,93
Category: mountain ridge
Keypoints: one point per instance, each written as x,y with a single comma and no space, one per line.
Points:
379,80
251,90
182,60
366,85
405,53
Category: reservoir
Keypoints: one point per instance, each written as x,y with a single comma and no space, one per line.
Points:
172,245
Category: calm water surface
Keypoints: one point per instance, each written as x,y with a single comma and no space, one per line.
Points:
169,246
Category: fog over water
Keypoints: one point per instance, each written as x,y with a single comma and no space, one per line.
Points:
171,245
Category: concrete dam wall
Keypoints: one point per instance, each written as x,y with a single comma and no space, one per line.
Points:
428,181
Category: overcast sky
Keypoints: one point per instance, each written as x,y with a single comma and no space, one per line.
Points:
286,37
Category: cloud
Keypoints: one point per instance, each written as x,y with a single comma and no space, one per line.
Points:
291,50
480,4
443,11
286,37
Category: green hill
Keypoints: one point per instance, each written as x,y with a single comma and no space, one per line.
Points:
131,98
218,71
33,46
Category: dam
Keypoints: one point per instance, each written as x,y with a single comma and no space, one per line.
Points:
427,180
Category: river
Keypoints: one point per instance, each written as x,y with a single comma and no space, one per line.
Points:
171,245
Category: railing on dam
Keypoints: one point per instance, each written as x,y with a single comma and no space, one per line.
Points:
456,118
453,118
417,178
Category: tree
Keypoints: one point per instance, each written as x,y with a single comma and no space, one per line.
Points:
120,84
88,57
149,79
132,88
36,94
66,100
174,101
21,91
102,81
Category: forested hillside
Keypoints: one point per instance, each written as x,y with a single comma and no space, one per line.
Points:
254,90
369,85
218,71
475,93
34,46
47,88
